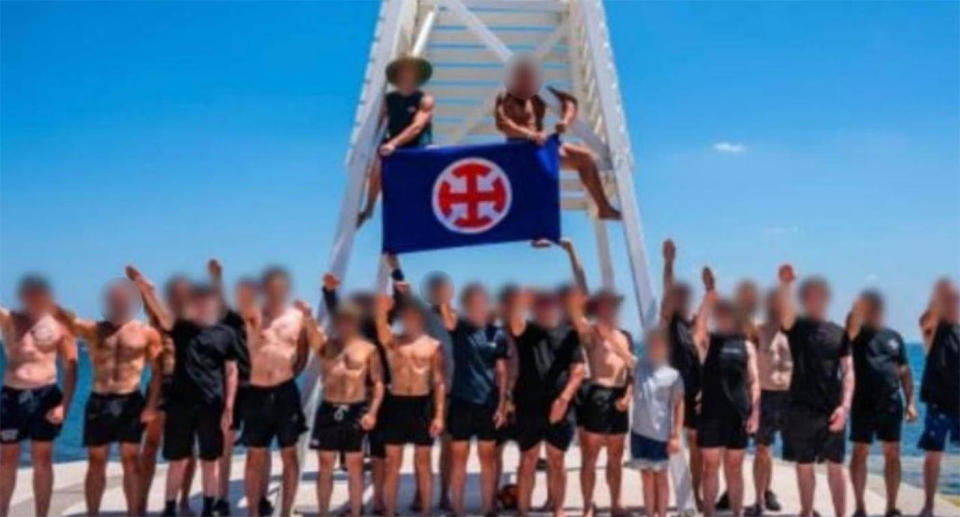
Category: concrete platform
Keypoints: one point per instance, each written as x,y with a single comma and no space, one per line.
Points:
68,489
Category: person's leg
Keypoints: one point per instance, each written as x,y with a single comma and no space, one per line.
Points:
175,477
590,445
649,492
710,480
445,442
132,479
487,453
663,492
733,474
931,477
891,472
615,444
421,458
762,468
355,482
148,459
377,471
457,458
838,487
327,462
226,462
210,481
696,467
290,478
557,478
267,469
581,159
391,477
186,485
373,192
96,478
252,472
9,460
858,473
525,477
41,457
806,484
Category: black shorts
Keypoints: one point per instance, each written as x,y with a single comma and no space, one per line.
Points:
773,411
690,416
466,420
189,422
533,426
336,427
598,413
409,420
272,412
109,418
23,414
727,429
809,439
882,420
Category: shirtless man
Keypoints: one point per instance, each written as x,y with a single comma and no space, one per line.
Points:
200,400
32,407
119,347
407,111
416,368
177,296
774,367
519,112
603,412
279,339
350,368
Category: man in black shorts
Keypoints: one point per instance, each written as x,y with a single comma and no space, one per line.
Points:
201,398
821,388
881,369
550,369
477,394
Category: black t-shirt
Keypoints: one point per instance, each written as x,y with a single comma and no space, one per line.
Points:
202,353
817,348
878,355
724,379
684,356
476,351
544,358
941,374
234,320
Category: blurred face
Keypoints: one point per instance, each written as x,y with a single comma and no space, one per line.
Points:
525,81
276,289
607,310
476,305
874,314
815,299
681,297
725,320
951,305
178,296
412,321
657,348
205,309
36,300
407,78
441,292
573,298
346,326
747,298
546,310
245,294
120,301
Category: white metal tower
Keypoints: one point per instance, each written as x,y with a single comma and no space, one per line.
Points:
468,42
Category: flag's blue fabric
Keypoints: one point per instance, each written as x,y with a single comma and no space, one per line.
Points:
467,195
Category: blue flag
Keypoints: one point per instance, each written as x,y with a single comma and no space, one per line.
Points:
446,197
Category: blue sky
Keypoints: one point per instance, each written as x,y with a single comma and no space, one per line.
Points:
825,133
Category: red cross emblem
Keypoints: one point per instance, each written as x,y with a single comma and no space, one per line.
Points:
471,195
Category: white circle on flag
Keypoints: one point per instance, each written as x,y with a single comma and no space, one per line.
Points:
471,195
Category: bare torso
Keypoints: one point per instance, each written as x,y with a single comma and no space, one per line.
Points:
273,347
411,365
31,349
346,368
118,356
774,362
605,358
528,113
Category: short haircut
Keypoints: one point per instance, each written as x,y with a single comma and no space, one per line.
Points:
248,281
273,272
813,282
202,290
172,283
507,292
33,283
874,298
472,289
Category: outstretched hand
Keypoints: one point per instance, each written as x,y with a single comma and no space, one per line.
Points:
786,274
215,268
136,276
669,250
541,243
709,282
331,282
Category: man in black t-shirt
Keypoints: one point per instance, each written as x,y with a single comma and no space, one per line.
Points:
940,387
201,399
881,369
550,368
821,388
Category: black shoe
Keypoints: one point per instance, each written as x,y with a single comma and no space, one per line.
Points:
893,513
860,513
724,502
265,507
771,501
753,511
415,505
221,508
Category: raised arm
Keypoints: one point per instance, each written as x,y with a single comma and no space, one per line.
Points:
576,266
420,119
439,392
381,309
151,301
508,127
668,306
701,330
215,272
786,307
86,329
329,290
855,319
312,336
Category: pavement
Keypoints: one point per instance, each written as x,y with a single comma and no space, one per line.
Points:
68,499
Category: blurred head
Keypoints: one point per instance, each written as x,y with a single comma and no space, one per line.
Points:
657,347
346,320
121,301
747,297
523,76
35,294
681,296
275,283
177,293
570,296
408,76
507,299
246,292
205,304
546,309
815,297
605,306
949,301
364,300
873,302
439,288
475,303
411,318
726,317
771,306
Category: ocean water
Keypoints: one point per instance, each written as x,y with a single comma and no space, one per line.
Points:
69,445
